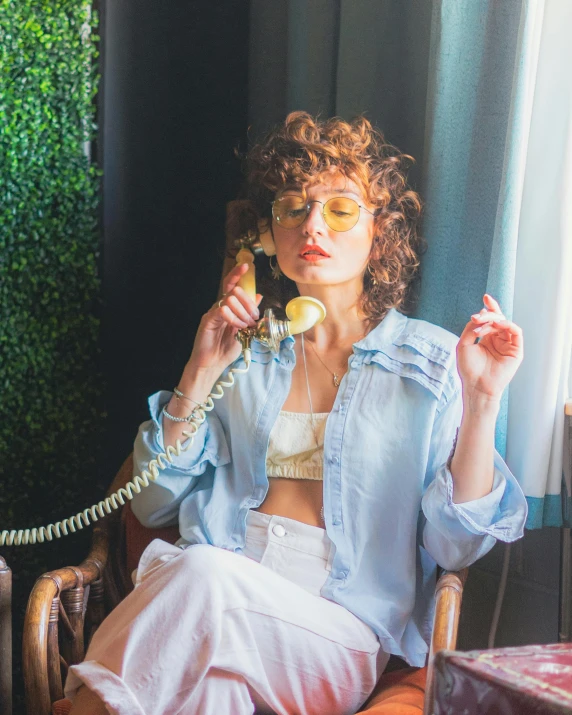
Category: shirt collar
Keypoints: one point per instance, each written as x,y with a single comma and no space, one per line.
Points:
383,334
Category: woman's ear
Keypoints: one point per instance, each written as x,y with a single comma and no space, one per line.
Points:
266,238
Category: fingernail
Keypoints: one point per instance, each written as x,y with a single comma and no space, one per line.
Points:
476,316
478,330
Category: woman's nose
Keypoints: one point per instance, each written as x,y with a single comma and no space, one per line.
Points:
315,219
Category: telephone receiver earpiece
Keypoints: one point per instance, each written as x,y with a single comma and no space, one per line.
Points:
265,238
303,312
251,246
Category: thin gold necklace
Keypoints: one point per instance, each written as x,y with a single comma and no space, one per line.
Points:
322,517
309,395
334,374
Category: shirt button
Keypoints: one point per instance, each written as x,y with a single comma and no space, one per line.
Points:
336,460
336,521
278,530
343,574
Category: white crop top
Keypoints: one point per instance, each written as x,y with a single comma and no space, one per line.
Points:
292,450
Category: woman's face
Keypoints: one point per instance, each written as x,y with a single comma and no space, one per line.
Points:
346,252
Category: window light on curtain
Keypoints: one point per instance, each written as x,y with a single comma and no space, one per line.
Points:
526,259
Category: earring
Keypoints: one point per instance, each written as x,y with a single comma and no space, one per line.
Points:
372,274
275,269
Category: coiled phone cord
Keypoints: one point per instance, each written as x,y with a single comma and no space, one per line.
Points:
22,537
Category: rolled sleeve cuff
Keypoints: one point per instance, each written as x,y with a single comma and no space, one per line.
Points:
500,514
187,461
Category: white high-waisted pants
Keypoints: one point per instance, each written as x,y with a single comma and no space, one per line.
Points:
207,631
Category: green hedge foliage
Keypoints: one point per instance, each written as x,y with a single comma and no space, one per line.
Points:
50,389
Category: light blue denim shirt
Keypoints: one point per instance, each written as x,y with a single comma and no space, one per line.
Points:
387,490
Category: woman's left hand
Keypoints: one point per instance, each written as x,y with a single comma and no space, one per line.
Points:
488,366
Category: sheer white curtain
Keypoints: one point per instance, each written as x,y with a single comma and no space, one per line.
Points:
543,276
504,92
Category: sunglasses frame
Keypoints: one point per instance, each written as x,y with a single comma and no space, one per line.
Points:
307,206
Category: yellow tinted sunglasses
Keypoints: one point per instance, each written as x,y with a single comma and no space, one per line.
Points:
340,212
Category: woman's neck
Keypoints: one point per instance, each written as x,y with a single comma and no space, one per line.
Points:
344,322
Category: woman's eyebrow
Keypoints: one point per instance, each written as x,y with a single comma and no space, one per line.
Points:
340,191
325,191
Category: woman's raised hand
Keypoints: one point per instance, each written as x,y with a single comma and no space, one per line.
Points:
216,345
215,348
488,366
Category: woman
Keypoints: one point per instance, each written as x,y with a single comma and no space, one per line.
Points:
319,494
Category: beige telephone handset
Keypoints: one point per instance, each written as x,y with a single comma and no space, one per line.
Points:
302,312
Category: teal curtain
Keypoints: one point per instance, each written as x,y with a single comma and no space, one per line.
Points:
469,220
342,57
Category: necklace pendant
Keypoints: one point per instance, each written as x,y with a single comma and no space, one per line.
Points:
336,380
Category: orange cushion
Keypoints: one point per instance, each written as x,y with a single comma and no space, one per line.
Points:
61,707
138,537
398,693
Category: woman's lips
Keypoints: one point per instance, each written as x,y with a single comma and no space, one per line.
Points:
313,257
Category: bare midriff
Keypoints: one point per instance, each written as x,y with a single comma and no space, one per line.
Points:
299,499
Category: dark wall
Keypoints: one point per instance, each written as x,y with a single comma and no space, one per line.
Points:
531,604
174,106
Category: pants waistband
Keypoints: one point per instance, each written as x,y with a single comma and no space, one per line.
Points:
289,533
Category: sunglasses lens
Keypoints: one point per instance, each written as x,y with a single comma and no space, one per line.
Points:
341,213
289,211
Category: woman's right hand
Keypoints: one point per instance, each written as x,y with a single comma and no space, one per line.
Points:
216,345
215,348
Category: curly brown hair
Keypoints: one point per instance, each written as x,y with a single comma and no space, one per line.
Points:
304,147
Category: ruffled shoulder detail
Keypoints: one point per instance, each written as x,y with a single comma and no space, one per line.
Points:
420,351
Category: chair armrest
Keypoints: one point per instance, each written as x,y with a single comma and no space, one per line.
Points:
448,598
59,599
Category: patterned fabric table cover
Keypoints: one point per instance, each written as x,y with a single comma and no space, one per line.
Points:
505,681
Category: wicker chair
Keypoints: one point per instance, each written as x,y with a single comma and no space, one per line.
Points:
67,605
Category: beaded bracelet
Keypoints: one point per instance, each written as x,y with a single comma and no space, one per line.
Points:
171,417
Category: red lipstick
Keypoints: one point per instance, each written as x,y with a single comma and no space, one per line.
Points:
312,252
